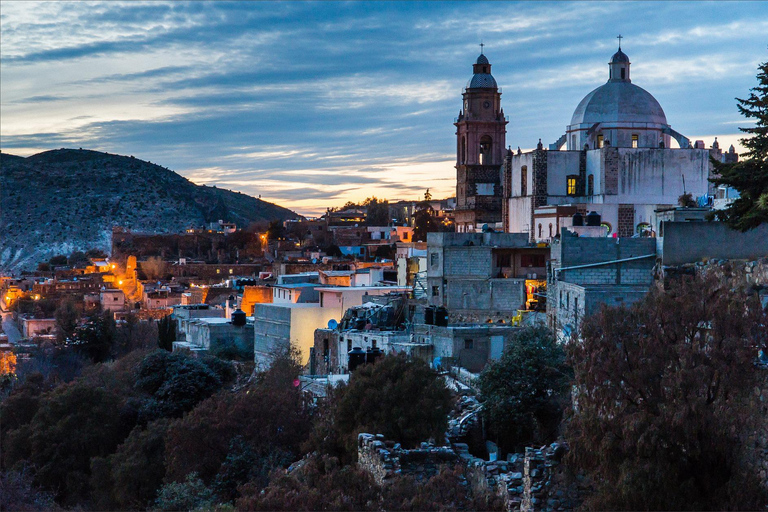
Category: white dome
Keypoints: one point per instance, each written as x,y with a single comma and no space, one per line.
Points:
619,102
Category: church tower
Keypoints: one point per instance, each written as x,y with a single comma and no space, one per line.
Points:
480,144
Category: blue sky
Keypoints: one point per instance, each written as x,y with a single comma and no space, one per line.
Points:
311,104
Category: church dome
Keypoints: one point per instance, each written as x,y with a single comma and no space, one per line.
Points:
482,59
482,81
619,102
619,56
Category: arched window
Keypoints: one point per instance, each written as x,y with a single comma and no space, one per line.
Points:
591,185
463,150
524,180
608,228
550,230
486,146
539,230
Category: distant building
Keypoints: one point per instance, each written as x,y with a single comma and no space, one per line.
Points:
112,299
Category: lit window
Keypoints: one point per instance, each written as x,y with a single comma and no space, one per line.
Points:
230,271
571,185
634,141
599,141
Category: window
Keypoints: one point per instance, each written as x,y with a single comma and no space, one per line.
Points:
469,344
349,345
434,259
539,230
524,180
373,343
435,291
532,260
599,141
608,228
571,185
550,230
623,73
634,141
230,271
591,185
486,144
576,305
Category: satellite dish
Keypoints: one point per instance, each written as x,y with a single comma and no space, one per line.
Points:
314,260
332,324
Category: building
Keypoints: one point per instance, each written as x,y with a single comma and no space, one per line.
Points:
618,161
217,335
481,129
32,327
112,299
587,272
484,277
295,293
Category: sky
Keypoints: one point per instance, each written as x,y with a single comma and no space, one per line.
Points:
312,104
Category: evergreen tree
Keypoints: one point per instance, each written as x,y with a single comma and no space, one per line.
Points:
750,176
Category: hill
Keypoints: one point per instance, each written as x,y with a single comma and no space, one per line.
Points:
67,199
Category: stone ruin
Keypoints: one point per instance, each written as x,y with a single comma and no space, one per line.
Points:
534,481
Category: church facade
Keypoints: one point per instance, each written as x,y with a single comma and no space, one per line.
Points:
615,158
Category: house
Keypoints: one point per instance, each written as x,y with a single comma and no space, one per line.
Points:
587,272
233,335
32,327
295,293
112,299
484,277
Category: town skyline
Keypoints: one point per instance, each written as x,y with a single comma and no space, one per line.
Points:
313,106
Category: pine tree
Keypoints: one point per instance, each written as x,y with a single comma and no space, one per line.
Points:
750,176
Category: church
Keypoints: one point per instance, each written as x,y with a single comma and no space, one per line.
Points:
616,159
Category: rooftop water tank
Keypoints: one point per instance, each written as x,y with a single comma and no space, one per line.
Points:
593,219
238,317
356,358
578,219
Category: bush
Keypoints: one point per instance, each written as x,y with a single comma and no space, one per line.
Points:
524,393
404,400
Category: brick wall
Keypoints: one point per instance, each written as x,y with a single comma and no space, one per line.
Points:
626,226
610,157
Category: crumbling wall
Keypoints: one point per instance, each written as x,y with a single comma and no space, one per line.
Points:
387,459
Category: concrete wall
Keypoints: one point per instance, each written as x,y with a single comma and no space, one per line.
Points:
688,242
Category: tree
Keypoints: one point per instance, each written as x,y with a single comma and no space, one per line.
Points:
276,230
377,212
72,424
424,220
154,268
96,337
176,383
749,176
67,315
404,400
525,391
333,251
166,333
59,259
77,258
269,418
660,404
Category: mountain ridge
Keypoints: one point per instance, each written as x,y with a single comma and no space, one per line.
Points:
58,201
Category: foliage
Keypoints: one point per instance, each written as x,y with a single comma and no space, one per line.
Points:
660,398
320,482
524,391
271,417
43,267
387,252
67,315
686,200
166,333
130,478
404,400
188,495
749,176
96,337
276,230
333,251
77,258
154,268
377,212
19,494
176,383
72,424
58,260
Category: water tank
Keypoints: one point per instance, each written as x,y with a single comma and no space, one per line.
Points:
441,317
373,354
238,317
578,219
593,219
356,358
429,315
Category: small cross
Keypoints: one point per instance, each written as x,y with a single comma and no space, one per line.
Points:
481,48
619,38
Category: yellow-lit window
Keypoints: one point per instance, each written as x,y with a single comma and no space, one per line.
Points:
634,141
599,141
571,185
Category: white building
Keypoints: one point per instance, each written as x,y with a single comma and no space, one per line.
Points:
619,162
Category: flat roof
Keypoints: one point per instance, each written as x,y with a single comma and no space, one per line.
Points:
295,285
342,289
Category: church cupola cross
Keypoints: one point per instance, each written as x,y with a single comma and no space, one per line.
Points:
619,37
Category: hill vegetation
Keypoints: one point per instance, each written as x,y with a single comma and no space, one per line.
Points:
63,200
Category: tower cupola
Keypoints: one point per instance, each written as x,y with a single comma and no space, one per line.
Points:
619,67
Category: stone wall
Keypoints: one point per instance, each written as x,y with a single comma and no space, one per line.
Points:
689,242
535,480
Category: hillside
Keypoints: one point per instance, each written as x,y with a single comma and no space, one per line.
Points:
63,200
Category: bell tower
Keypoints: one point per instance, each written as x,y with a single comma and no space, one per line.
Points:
480,141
